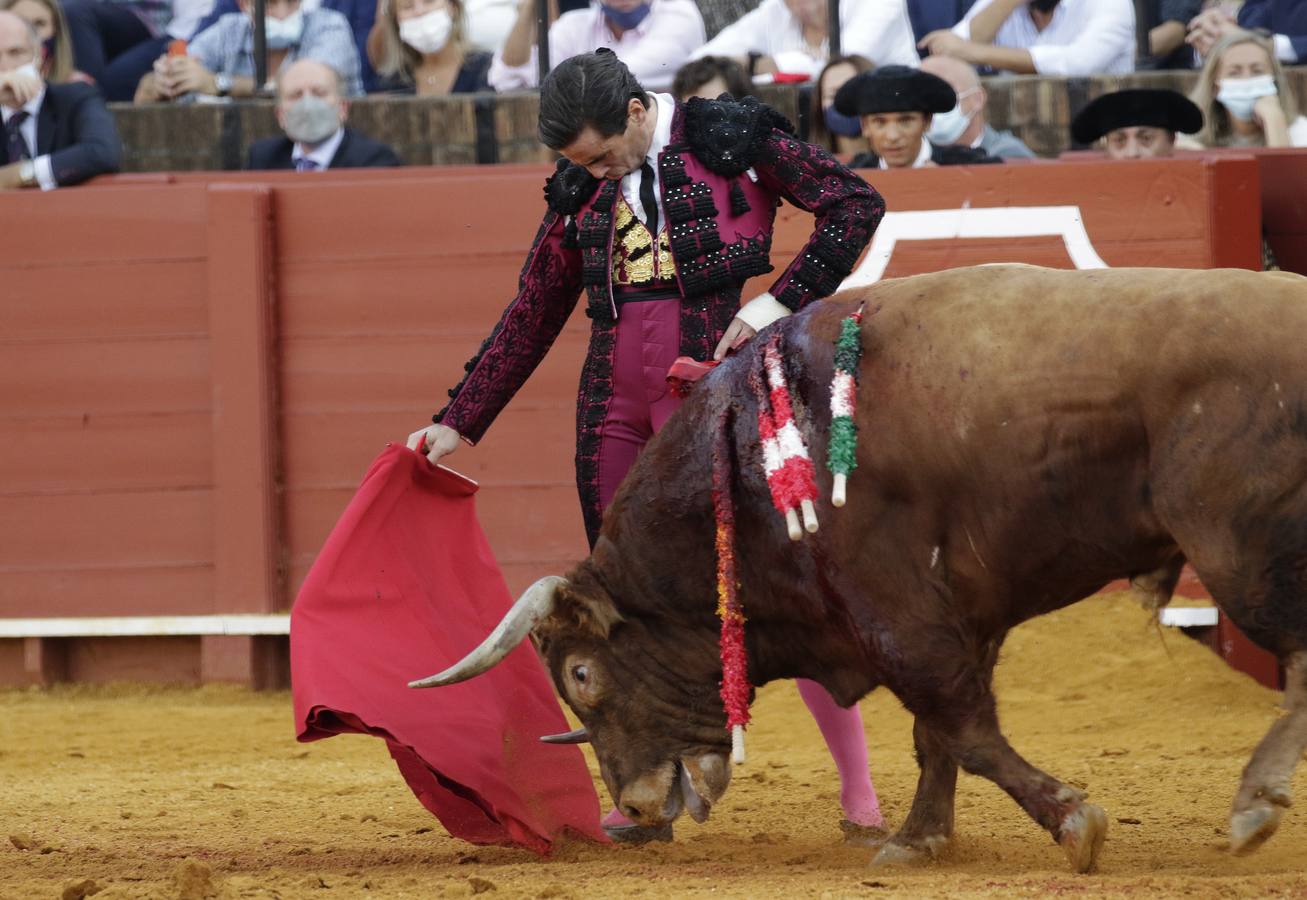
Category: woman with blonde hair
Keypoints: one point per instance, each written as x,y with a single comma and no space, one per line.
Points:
1245,99
418,47
48,21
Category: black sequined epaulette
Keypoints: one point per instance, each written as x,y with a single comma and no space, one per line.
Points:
569,187
726,134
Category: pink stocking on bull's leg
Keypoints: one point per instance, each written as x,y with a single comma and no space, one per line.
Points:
842,728
1264,791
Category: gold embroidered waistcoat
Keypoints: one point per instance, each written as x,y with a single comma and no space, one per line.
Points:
633,259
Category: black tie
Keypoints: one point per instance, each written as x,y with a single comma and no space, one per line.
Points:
647,199
18,149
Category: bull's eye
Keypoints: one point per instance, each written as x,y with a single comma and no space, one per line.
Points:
580,674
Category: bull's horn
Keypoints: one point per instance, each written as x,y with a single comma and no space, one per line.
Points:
530,609
580,736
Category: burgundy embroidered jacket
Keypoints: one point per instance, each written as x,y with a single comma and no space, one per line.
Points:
722,176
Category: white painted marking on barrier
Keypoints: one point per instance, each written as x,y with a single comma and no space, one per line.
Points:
960,224
1189,616
146,626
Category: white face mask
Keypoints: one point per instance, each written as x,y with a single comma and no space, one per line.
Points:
283,33
429,32
311,120
947,127
1239,95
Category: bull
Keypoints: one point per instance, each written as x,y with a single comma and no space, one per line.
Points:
1027,436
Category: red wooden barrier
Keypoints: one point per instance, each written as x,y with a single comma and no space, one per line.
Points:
199,368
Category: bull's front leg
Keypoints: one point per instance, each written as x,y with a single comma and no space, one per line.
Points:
929,824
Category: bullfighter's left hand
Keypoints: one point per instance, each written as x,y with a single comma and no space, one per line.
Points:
737,335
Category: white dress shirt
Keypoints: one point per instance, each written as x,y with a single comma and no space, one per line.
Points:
44,171
653,50
1084,37
877,29
321,154
662,136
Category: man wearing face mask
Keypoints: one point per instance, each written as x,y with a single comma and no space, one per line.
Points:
897,105
1043,37
653,37
1137,123
312,112
964,125
220,61
55,134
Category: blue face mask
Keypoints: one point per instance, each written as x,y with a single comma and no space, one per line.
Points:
838,123
625,20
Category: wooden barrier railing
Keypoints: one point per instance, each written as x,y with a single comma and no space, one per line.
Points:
197,370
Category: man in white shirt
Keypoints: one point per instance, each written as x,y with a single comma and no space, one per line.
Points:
653,37
790,35
1044,37
54,134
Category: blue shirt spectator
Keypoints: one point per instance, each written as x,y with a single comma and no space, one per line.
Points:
933,15
1286,19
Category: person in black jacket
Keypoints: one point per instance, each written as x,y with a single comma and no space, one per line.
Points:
896,104
311,109
54,134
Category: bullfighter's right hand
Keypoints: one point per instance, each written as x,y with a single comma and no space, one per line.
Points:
439,440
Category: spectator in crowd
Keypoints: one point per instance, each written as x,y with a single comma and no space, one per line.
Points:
935,15
47,18
1137,123
1285,19
653,37
361,15
709,77
311,110
55,134
220,61
828,127
419,47
115,42
896,104
1044,37
1245,99
790,35
1167,23
965,124
489,22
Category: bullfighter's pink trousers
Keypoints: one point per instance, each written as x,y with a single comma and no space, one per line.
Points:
647,343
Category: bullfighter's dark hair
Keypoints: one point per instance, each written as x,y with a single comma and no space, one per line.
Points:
593,89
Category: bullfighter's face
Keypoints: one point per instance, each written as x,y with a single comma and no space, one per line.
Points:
648,698
614,156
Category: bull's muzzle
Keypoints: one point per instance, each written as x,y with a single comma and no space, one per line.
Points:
529,611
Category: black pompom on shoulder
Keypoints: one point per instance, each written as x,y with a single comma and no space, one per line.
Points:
567,190
726,134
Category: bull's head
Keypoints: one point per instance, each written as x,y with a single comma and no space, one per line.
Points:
647,698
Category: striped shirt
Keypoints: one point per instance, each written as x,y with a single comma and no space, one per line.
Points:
227,47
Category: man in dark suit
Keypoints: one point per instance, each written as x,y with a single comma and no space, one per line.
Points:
311,109
896,105
54,134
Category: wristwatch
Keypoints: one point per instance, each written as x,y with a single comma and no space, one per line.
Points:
27,173
222,84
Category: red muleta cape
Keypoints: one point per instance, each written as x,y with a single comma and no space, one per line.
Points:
404,587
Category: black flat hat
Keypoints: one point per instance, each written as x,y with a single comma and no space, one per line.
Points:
1149,107
894,89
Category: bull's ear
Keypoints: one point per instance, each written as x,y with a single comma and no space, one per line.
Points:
579,608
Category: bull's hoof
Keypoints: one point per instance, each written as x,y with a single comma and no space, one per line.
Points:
1082,835
863,835
638,834
1252,827
899,853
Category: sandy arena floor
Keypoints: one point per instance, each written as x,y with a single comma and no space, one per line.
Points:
204,792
